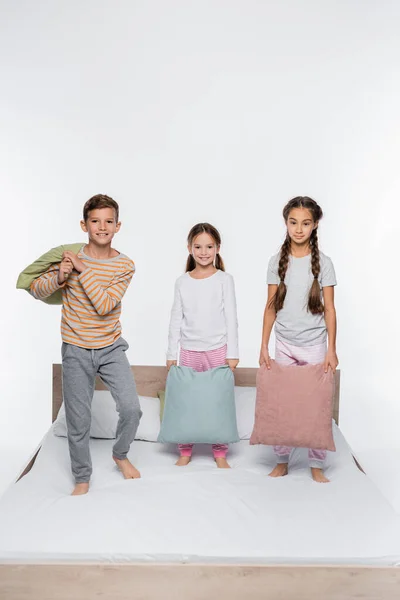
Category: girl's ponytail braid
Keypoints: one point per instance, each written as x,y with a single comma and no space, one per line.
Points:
190,263
219,263
315,305
278,299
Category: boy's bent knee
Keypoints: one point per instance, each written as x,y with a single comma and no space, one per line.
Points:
130,412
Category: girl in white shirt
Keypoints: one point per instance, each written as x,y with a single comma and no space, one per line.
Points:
204,317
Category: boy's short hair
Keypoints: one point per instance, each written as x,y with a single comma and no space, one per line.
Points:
100,201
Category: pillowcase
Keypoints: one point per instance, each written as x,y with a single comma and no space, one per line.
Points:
40,266
199,407
105,418
245,401
294,407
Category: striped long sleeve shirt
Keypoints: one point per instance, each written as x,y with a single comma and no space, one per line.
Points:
91,299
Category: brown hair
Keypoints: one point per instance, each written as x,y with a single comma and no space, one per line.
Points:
315,305
100,201
214,233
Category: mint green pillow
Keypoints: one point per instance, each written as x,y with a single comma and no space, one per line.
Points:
199,407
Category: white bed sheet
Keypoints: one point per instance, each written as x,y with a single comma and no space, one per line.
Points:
197,513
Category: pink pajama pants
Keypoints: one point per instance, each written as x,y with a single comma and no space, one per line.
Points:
287,354
203,361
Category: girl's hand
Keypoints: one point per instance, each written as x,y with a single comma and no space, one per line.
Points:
232,362
265,358
331,360
65,271
171,363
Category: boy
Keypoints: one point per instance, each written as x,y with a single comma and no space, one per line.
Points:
93,283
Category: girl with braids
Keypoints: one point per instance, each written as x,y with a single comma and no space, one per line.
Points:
301,282
203,317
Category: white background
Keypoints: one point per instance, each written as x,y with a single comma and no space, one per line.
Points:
185,111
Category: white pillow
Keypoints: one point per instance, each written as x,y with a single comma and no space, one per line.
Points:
245,400
105,418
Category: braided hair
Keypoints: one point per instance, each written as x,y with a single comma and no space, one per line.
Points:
315,305
214,233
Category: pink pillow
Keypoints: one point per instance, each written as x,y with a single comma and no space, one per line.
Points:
294,407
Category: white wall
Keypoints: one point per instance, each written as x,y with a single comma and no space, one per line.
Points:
210,110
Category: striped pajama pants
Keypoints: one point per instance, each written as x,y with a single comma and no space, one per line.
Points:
203,361
287,354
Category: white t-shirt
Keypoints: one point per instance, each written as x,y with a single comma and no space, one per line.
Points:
294,323
204,315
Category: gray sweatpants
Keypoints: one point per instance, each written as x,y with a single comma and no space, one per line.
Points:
80,367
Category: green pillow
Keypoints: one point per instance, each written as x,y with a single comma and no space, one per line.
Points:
40,266
199,407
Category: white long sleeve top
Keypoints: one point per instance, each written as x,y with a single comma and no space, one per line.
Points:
204,315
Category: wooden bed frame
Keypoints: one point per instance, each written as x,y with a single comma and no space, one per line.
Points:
136,581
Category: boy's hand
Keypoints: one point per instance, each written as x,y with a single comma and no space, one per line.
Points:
232,362
331,360
77,263
171,363
264,358
65,271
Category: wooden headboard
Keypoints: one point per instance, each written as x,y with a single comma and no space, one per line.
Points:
150,380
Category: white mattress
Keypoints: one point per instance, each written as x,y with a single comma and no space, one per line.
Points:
197,513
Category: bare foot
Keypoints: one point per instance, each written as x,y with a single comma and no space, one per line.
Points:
280,470
127,469
183,461
80,489
222,463
318,475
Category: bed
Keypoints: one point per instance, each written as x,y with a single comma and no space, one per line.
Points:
196,532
